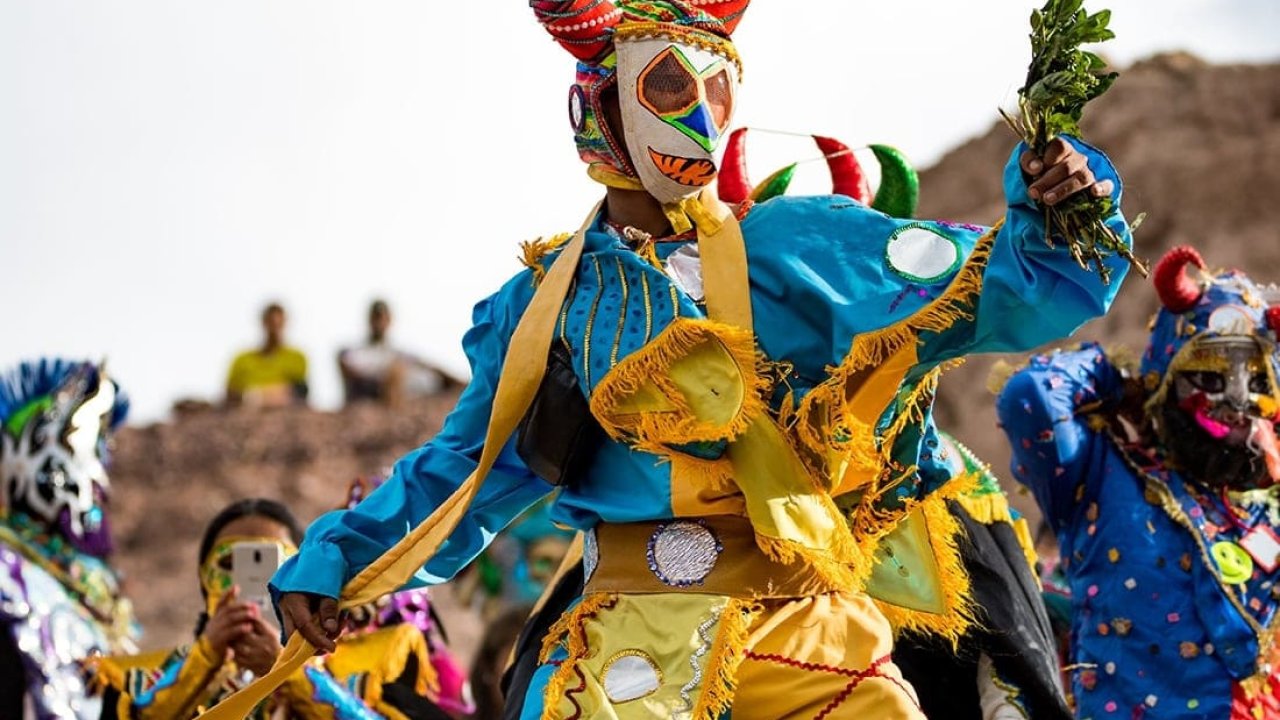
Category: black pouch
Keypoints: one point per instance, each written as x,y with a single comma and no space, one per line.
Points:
558,436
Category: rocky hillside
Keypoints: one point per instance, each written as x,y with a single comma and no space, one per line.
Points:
1198,147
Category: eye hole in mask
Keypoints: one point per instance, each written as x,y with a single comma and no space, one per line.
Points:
1210,382
720,98
668,86
1260,384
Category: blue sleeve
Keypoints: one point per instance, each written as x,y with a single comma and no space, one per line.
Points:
1033,293
1052,443
340,544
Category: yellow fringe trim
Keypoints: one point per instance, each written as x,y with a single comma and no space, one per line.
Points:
570,630
917,403
720,677
993,507
842,438
533,251
824,405
987,509
841,564
655,432
402,642
957,597
103,672
714,474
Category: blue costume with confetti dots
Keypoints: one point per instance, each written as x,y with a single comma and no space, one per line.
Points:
1172,579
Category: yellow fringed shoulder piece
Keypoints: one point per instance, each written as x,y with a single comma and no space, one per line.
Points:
534,251
951,610
522,371
696,382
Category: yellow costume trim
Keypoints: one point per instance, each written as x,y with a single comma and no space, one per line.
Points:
720,677
683,36
991,508
570,630
642,401
532,253
201,675
827,401
839,563
383,655
833,423
957,604
913,408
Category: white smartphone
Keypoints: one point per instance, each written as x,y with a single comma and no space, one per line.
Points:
252,565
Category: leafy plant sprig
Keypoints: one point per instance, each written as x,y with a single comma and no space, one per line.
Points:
1061,80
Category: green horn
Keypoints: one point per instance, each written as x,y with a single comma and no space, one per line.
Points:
899,192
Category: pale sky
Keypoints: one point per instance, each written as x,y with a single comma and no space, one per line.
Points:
167,167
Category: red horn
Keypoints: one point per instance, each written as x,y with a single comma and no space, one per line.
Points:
1273,320
583,27
847,177
734,185
729,12
1178,292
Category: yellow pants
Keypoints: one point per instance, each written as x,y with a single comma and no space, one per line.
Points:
695,656
823,657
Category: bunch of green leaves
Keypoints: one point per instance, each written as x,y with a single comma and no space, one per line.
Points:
1061,80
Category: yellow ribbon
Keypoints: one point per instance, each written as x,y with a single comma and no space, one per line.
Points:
522,372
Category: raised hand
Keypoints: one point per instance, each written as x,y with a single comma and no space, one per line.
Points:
1060,174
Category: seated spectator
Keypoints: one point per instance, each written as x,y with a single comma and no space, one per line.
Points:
273,375
235,640
378,371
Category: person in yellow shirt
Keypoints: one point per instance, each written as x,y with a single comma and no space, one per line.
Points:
273,375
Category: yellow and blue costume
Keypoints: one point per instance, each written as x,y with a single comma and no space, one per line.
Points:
839,366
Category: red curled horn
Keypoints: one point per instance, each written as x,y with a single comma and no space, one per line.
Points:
847,177
733,184
729,12
583,27
1178,293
